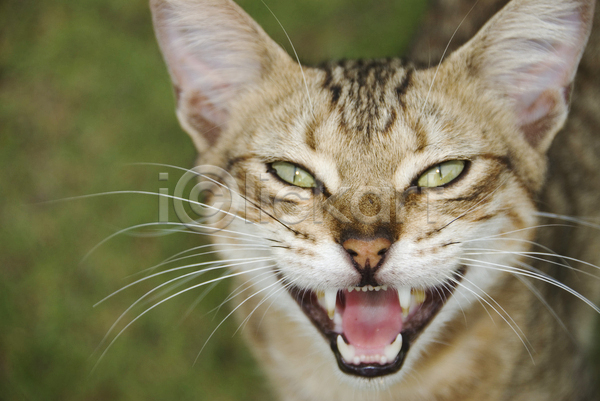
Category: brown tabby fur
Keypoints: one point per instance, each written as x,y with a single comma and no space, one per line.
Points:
362,118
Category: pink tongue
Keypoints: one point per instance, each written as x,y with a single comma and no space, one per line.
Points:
371,320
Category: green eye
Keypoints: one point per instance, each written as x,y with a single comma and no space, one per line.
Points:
294,175
441,174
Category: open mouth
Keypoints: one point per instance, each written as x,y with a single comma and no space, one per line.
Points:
370,329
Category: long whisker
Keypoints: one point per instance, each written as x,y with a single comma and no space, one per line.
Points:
541,298
181,281
231,313
87,255
242,262
241,289
520,230
518,240
200,298
499,314
132,192
258,207
271,294
447,287
285,287
194,274
170,258
529,254
165,300
500,307
197,255
533,274
568,218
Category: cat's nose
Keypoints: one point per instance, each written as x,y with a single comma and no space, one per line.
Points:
367,253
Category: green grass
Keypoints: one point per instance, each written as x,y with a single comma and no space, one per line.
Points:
83,94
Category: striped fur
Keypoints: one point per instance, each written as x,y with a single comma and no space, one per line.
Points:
366,130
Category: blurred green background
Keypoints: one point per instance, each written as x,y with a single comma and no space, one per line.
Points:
83,94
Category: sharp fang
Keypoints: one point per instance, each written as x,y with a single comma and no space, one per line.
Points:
391,351
419,295
346,350
405,300
330,296
321,298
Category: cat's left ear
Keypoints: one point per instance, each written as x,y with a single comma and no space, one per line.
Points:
528,54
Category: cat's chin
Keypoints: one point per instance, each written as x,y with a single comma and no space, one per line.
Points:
371,329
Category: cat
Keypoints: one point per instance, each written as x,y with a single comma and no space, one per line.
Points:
409,236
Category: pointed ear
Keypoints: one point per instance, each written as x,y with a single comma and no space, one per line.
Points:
528,54
214,51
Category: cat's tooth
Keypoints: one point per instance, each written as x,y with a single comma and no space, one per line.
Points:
347,351
384,287
321,298
405,300
350,289
419,295
364,289
370,287
391,351
330,298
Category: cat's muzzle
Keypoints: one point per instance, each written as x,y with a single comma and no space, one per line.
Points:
371,329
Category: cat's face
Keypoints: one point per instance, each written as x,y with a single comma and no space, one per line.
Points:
367,202
389,198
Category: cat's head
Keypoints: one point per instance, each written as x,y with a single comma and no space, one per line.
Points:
381,191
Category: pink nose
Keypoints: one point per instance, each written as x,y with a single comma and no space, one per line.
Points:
367,253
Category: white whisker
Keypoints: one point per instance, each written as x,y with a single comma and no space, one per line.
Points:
517,231
132,192
529,254
499,314
87,255
568,218
241,289
183,276
541,298
533,274
168,298
270,294
243,262
500,307
231,313
197,255
199,299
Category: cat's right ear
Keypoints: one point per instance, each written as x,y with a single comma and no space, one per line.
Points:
214,52
527,56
